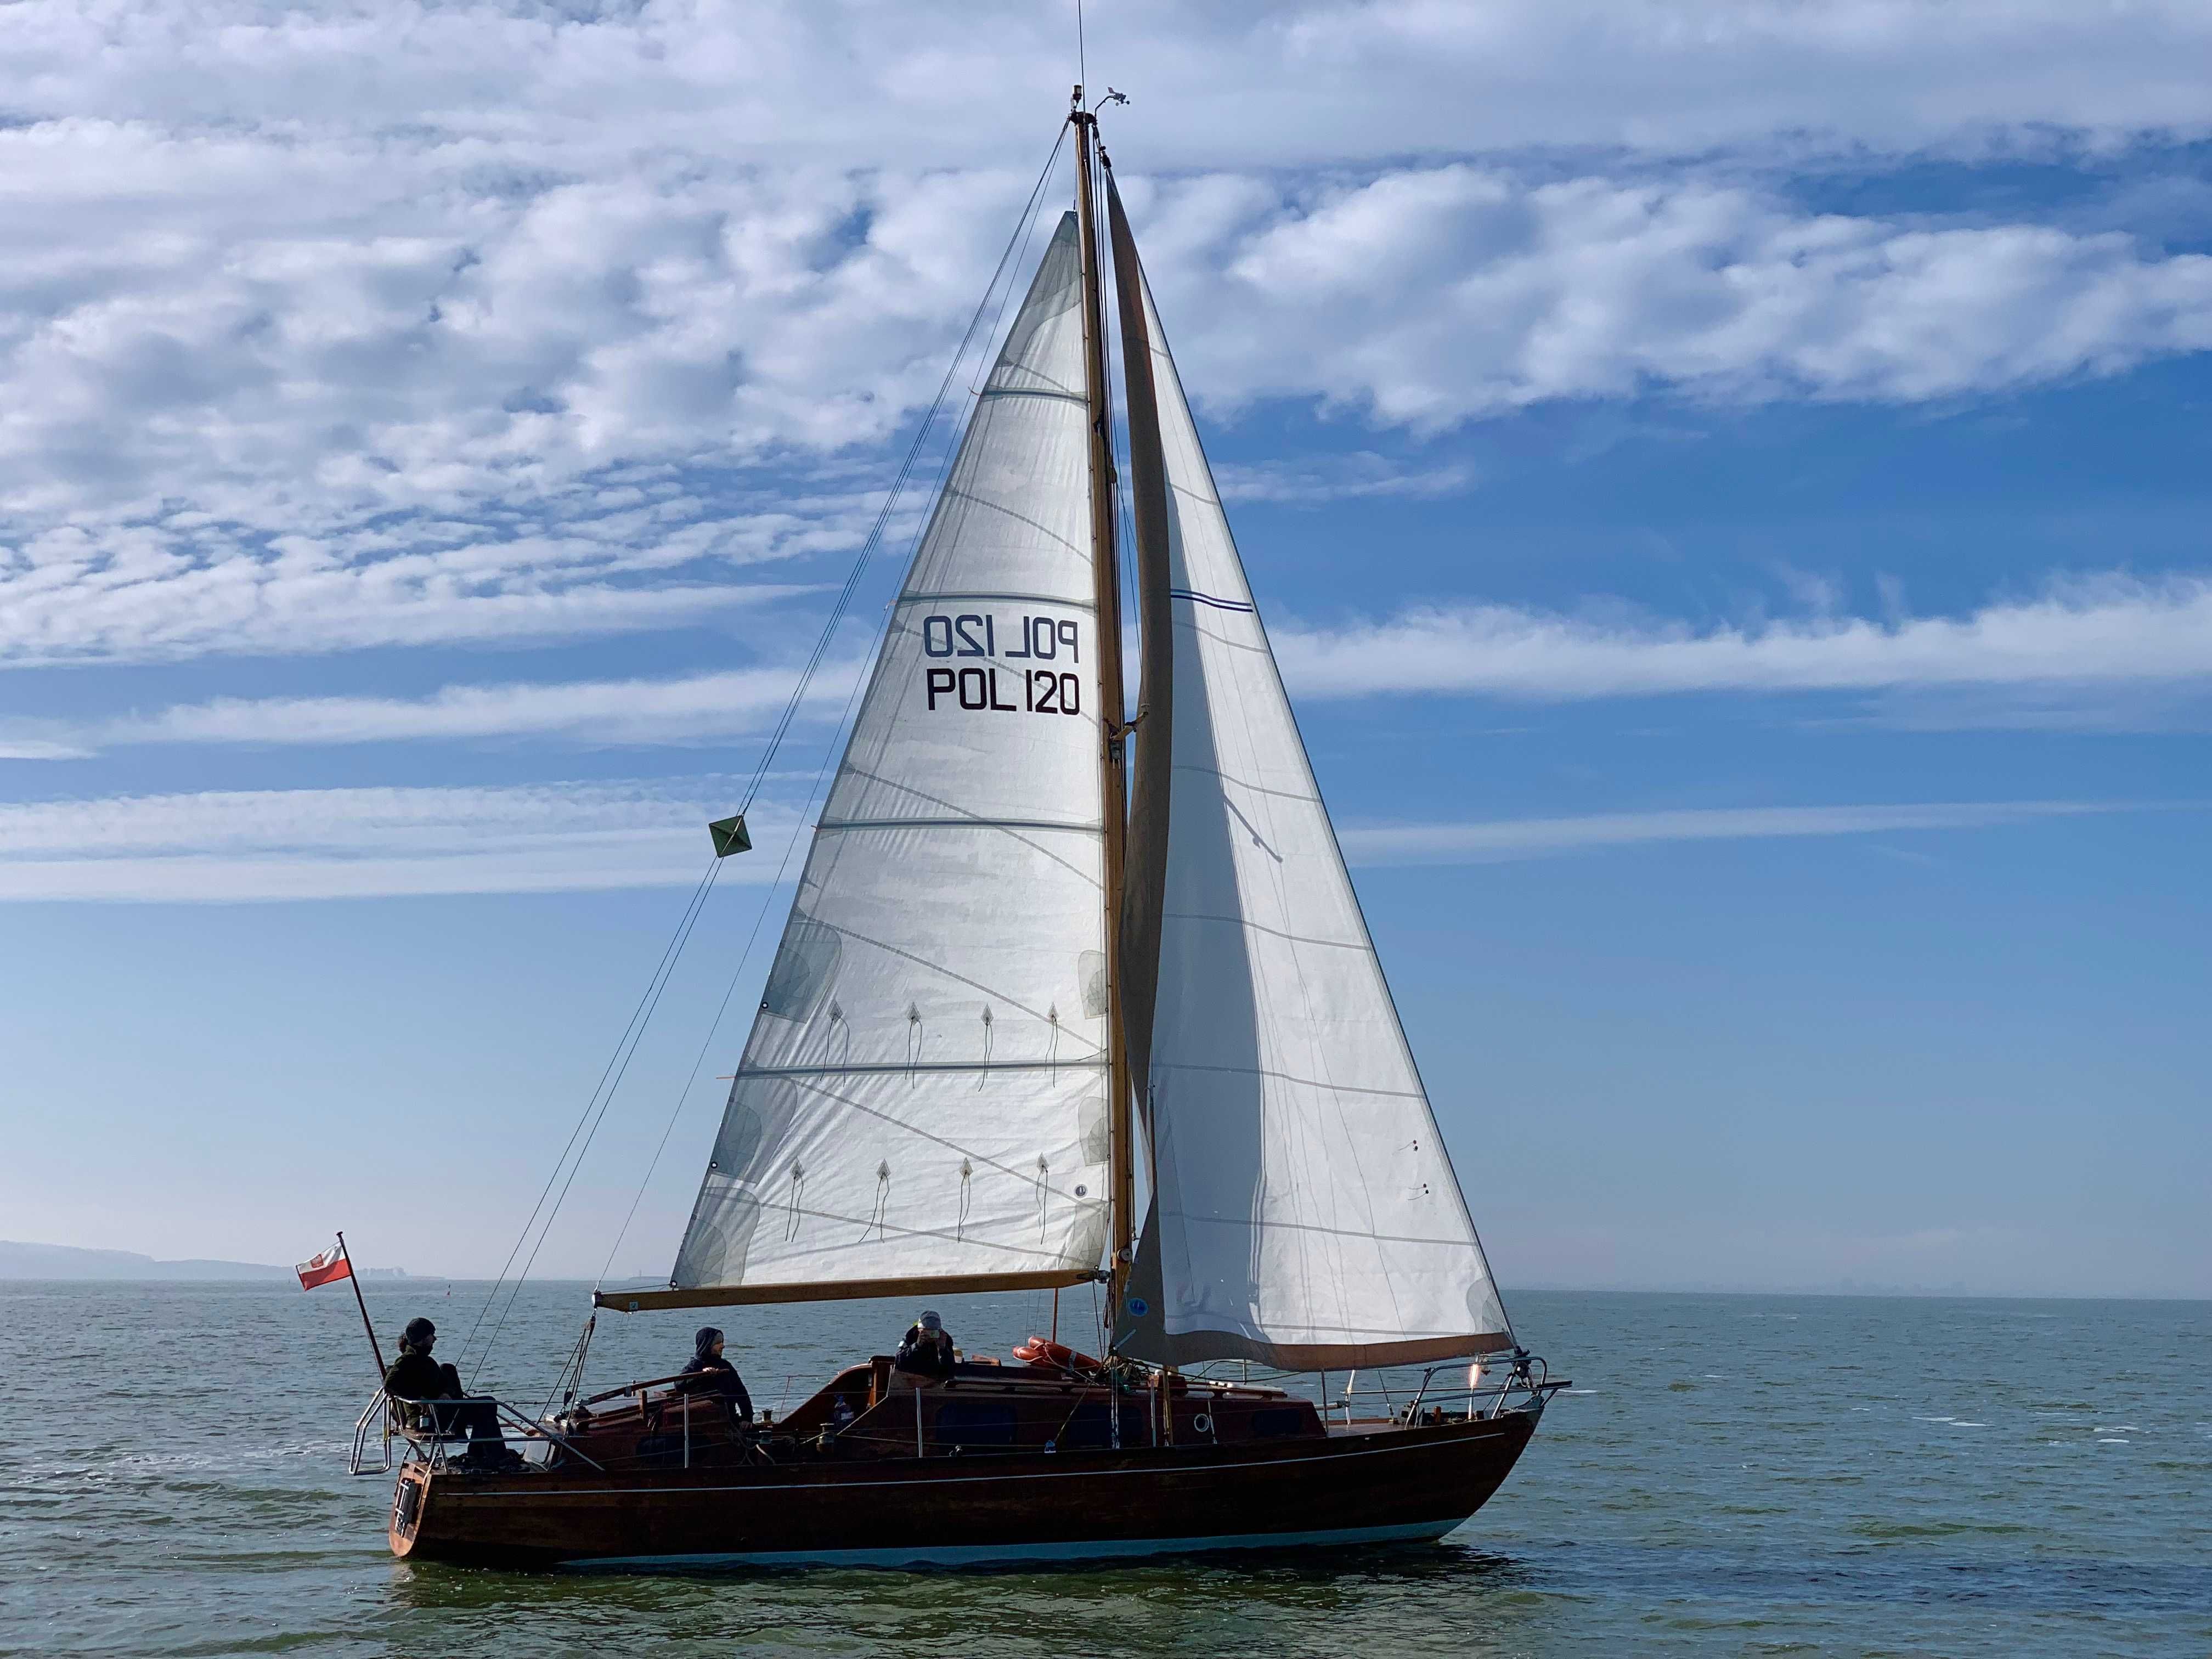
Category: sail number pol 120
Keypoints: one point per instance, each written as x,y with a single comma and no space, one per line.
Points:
1040,691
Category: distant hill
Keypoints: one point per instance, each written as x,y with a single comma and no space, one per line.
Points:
66,1261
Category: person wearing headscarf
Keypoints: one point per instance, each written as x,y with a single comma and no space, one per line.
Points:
707,1373
926,1349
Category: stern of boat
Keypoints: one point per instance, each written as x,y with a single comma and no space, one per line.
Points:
410,1500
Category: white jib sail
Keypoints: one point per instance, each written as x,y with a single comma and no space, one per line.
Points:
1306,1213
923,1095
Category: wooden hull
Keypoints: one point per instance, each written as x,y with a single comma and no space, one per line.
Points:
1363,1485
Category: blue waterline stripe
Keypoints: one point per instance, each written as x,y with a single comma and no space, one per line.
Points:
963,1555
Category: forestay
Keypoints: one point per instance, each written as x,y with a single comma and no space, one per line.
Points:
921,1101
1304,1211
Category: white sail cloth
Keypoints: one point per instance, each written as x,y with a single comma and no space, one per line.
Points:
1305,1212
923,1095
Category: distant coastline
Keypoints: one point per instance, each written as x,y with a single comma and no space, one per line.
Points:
20,1260
25,1261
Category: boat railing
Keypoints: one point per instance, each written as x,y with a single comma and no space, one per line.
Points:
1529,1378
1401,1395
415,1425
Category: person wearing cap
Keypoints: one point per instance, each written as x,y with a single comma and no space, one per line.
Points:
415,1379
927,1349
712,1376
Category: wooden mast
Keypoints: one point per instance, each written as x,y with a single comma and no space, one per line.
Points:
1106,586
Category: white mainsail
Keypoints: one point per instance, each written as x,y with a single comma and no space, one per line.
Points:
1304,1211
923,1095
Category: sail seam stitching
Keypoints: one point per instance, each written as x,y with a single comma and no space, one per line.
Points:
1260,1224
1025,392
1259,649
1020,598
915,1130
1262,927
894,1068
827,824
1286,1077
1246,783
876,1223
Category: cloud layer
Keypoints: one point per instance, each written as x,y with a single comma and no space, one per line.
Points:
1311,80
2088,651
2112,630
1425,298
1502,840
229,846
402,324
693,708
221,847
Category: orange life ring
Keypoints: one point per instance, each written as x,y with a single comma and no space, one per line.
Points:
1054,1355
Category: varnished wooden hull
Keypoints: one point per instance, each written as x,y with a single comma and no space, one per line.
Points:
1389,1483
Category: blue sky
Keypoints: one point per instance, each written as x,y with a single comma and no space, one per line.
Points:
1728,484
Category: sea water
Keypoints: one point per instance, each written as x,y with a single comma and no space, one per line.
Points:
1729,1474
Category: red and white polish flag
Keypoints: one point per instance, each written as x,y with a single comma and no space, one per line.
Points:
331,1264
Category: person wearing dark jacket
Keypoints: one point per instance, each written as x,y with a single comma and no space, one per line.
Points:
710,1375
926,1349
417,1379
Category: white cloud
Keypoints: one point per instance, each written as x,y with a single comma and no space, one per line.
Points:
695,708
1502,841
391,323
1428,297
2108,630
2097,652
1313,80
29,748
1312,480
223,847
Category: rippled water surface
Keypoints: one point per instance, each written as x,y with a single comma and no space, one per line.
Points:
1731,1475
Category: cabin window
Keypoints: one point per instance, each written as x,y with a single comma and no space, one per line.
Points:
1278,1420
976,1423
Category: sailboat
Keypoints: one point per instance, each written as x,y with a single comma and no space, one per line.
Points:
1035,945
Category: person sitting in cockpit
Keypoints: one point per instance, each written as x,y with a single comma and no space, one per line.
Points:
434,1398
709,1375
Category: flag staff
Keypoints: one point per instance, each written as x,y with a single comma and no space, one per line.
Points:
354,1279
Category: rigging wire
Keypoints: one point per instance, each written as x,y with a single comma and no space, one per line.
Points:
1022,231
683,1095
626,1046
683,928
620,1068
